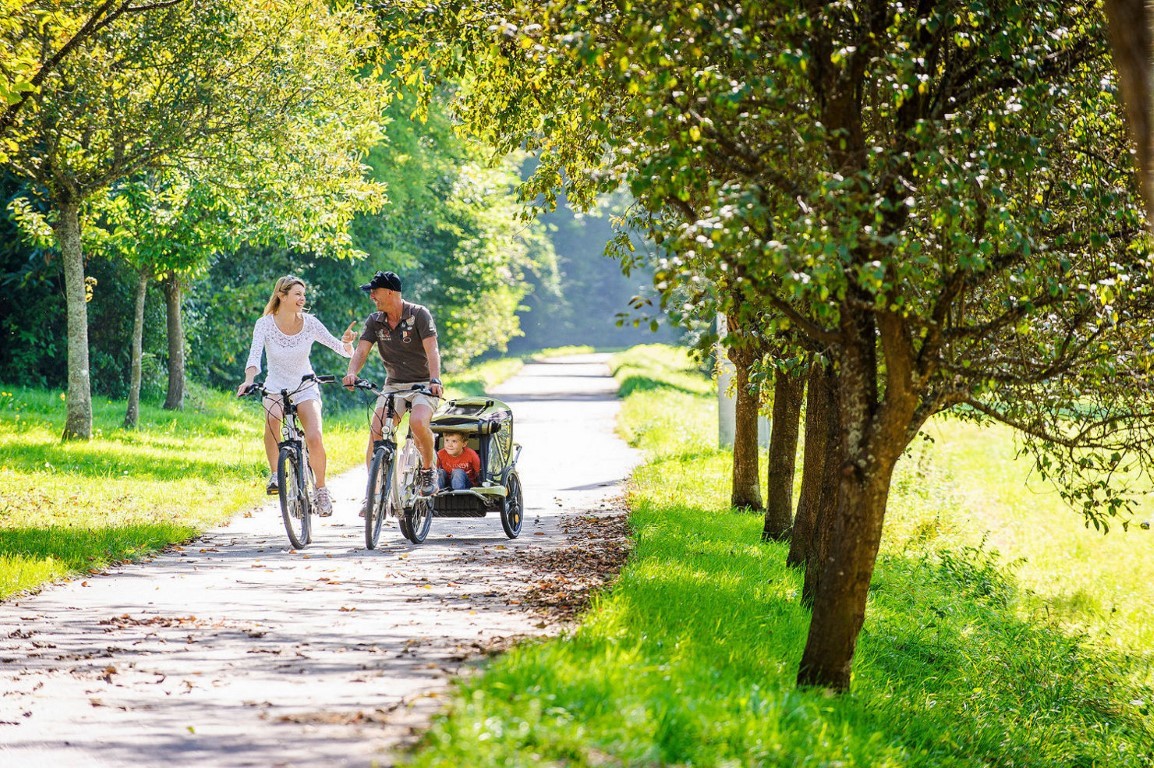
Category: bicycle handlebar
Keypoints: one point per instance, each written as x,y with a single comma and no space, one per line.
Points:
259,387
370,386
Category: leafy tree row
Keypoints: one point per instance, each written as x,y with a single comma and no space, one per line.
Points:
935,203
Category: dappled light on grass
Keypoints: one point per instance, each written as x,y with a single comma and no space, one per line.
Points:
946,648
22,574
97,459
1100,585
72,508
36,555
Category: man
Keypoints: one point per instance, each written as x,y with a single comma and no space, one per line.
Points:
406,338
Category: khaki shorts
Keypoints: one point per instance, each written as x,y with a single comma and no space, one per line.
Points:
407,398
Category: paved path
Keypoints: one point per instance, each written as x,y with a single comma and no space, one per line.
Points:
234,651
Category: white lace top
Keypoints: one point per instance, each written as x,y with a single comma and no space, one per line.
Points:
288,356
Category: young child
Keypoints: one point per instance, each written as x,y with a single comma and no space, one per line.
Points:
460,466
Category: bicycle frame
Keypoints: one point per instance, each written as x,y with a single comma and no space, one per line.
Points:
388,443
294,472
401,499
403,489
291,434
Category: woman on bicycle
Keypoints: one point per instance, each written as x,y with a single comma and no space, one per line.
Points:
285,333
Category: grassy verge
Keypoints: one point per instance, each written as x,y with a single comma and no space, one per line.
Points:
74,508
690,659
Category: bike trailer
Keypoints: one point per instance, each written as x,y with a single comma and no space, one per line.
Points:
487,424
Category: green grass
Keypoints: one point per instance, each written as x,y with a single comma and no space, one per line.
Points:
970,656
78,507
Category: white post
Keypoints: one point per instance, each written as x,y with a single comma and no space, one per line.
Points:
726,402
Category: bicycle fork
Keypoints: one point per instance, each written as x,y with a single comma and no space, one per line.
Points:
389,448
306,481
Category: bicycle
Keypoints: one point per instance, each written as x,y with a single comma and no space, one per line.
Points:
294,475
393,489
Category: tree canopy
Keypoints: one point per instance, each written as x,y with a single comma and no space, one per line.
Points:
199,90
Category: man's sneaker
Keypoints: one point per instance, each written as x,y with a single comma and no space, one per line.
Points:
364,508
426,482
272,489
324,503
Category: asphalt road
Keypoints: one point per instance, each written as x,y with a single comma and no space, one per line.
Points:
235,651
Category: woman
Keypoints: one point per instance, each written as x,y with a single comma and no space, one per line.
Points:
285,333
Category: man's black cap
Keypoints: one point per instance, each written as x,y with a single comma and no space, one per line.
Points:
383,280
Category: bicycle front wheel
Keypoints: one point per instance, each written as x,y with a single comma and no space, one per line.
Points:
295,504
377,495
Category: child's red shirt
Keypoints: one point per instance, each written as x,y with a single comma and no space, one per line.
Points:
468,460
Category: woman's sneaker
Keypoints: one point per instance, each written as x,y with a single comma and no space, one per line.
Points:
324,503
272,489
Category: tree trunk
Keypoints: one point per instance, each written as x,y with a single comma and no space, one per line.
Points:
873,432
1130,41
839,605
787,394
78,423
817,547
132,413
746,475
818,411
174,401
825,484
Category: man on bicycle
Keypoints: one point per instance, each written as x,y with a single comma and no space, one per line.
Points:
406,338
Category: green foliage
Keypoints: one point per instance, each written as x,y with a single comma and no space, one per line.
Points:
452,232
689,659
174,133
33,328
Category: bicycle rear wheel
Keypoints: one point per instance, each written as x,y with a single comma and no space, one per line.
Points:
418,518
377,495
513,509
295,503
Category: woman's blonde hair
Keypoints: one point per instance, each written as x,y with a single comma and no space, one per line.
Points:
283,286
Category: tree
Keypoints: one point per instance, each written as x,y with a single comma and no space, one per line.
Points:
199,88
933,195
36,37
817,451
744,352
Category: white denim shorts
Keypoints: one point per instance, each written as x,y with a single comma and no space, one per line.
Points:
311,392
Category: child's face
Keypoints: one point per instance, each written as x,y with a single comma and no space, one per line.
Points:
454,444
